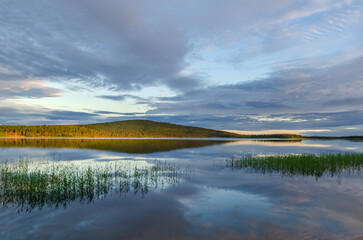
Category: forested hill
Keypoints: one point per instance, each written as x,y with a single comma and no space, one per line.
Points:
130,128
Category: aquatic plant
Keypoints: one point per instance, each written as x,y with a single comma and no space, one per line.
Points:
301,165
27,185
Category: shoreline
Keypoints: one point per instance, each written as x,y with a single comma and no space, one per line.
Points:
153,138
321,138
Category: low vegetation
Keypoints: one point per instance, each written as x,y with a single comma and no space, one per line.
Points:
301,165
27,185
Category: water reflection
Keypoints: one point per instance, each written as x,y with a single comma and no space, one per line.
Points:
279,143
215,203
133,146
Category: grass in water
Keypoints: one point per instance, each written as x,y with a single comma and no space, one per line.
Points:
29,185
301,165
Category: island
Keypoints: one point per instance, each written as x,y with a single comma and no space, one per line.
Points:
125,129
140,129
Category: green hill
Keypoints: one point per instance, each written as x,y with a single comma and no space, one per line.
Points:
127,129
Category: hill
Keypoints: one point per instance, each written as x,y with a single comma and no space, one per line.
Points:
127,129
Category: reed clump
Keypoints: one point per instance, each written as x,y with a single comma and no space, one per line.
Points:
27,185
328,164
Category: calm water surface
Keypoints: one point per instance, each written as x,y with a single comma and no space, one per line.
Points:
209,202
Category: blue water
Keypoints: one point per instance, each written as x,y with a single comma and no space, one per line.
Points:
213,202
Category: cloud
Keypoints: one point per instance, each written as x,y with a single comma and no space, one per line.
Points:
27,89
113,113
68,115
184,83
298,90
340,123
345,102
121,97
311,97
133,44
264,105
122,49
19,114
119,46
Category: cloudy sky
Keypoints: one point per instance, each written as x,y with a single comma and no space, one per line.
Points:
232,64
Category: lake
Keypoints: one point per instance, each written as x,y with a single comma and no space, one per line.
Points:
182,189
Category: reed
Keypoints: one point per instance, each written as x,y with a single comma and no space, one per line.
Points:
301,165
26,185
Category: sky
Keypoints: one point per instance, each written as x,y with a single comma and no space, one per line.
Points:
232,64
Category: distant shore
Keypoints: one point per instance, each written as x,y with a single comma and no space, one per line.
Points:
144,129
254,137
358,238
